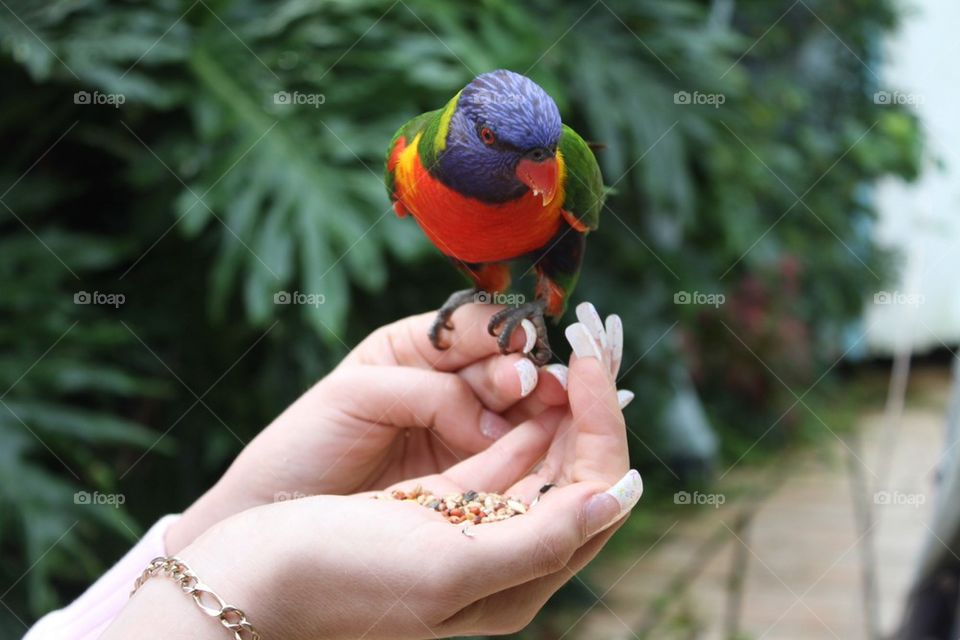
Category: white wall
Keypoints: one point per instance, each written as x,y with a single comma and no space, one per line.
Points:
922,219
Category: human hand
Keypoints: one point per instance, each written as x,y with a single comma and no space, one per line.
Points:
394,408
352,566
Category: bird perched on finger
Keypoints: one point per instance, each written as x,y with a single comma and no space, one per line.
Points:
492,177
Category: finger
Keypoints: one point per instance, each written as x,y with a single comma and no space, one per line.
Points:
406,343
510,458
409,397
601,447
542,541
559,374
593,445
551,391
588,316
511,610
614,330
502,382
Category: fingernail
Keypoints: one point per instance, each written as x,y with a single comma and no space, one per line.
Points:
624,397
582,342
530,332
587,314
605,509
493,425
601,511
615,337
528,376
558,371
628,490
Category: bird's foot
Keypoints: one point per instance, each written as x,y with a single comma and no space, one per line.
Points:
505,322
456,300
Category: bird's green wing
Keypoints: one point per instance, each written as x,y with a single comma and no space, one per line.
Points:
584,184
408,131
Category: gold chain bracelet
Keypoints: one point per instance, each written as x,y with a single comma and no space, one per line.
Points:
231,618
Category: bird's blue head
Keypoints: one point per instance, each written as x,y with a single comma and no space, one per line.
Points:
502,140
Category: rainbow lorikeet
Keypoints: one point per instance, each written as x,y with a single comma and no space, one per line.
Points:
492,177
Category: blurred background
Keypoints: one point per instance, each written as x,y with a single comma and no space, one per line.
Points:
194,229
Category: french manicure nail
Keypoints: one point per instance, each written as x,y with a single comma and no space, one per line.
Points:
582,342
627,490
624,397
493,425
530,332
528,376
605,509
615,337
558,371
587,314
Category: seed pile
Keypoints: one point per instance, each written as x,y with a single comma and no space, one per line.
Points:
474,507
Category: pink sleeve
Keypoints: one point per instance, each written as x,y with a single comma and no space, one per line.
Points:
88,616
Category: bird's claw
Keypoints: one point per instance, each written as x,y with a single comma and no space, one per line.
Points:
439,324
456,300
505,322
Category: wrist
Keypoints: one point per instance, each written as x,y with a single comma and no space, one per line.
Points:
245,561
227,561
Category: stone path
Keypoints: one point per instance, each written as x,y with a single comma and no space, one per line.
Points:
804,555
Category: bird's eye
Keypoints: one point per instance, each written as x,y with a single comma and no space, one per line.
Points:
487,136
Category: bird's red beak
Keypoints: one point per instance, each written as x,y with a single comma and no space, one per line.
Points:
540,176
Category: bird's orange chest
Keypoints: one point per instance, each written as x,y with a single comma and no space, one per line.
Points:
465,228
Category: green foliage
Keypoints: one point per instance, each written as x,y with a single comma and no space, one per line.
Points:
55,370
203,195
